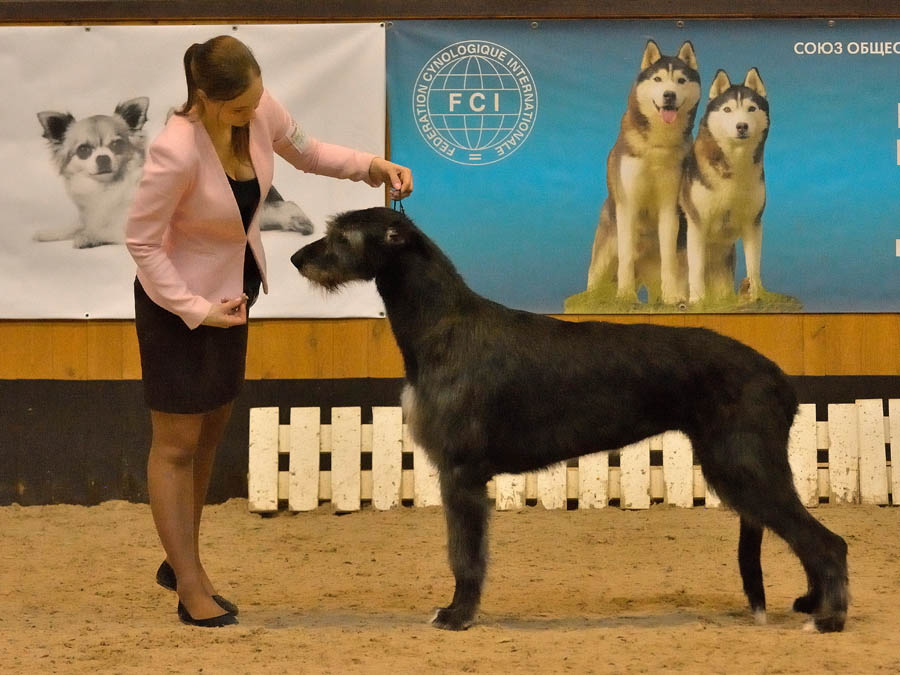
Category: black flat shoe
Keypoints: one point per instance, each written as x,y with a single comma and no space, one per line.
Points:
226,619
227,605
165,577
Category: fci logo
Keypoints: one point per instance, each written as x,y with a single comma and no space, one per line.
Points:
475,102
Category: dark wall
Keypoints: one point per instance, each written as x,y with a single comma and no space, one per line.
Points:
237,11
85,442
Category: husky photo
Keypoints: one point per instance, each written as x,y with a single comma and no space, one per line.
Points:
677,206
628,167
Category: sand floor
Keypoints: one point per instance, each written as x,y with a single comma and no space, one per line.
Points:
604,591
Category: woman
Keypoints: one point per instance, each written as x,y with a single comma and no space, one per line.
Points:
193,231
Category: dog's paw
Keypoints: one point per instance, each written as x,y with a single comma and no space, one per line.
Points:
51,235
806,604
672,294
448,618
832,623
285,216
627,297
300,224
84,241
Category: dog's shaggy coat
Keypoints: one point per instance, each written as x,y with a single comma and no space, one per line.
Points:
493,390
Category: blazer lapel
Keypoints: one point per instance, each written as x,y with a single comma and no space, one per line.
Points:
262,160
211,159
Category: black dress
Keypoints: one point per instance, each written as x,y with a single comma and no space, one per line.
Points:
195,371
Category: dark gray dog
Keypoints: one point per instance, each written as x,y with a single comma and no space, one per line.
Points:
492,390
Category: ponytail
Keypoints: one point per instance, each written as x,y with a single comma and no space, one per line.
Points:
189,79
222,67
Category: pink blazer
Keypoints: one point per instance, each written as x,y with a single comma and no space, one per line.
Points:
184,229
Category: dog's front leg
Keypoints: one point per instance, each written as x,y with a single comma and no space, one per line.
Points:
625,227
668,238
466,510
752,240
696,255
59,234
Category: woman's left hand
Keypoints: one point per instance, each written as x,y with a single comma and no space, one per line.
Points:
397,176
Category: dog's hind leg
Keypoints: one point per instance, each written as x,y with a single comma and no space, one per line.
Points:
466,511
758,485
749,549
824,557
602,270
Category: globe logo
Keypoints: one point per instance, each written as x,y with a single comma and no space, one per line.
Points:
475,102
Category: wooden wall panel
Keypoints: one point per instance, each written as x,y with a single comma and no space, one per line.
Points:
290,349
30,350
384,356
843,345
351,353
802,344
814,353
70,352
105,353
131,358
880,353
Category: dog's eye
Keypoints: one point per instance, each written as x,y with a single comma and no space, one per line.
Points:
84,151
726,109
117,146
752,108
682,80
657,79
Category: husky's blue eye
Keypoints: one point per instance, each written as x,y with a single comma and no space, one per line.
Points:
84,151
117,146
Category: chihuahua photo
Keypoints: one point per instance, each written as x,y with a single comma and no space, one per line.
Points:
100,159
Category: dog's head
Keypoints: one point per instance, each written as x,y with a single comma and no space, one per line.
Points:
737,113
668,87
101,147
357,245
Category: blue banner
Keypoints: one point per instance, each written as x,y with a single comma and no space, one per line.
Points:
743,165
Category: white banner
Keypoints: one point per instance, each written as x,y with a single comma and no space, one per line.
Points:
331,78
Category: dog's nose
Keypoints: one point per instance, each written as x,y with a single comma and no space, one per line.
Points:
104,163
297,258
669,97
742,127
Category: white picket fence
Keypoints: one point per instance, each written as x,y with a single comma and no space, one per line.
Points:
854,435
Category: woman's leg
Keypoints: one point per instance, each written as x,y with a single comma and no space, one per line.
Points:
211,433
170,482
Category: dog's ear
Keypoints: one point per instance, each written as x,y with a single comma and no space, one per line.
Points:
686,54
134,112
55,124
720,84
651,55
754,81
394,236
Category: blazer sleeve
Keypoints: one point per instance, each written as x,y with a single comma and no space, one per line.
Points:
312,155
168,175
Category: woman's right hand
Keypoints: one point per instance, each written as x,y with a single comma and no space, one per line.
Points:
227,313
